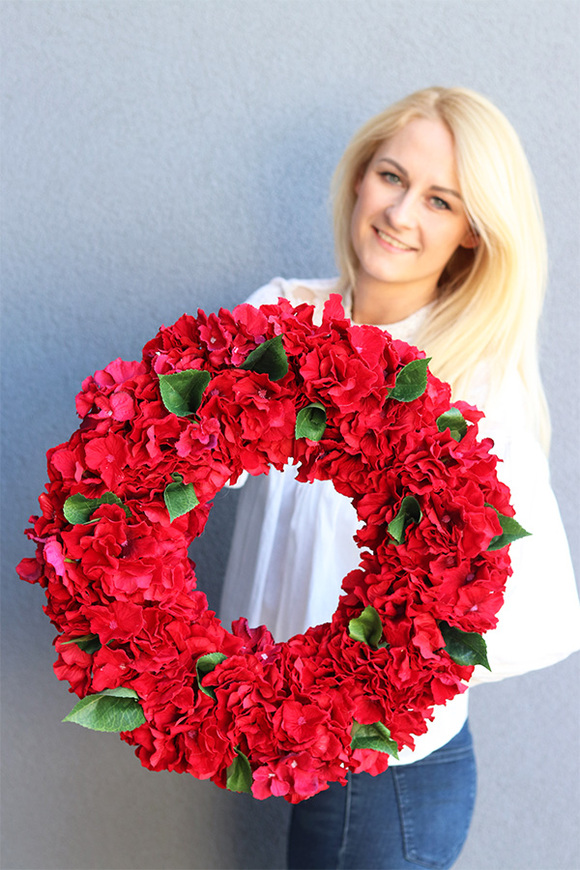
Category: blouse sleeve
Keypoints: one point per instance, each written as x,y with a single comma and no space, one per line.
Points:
539,623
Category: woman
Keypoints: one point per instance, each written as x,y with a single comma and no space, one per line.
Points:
439,240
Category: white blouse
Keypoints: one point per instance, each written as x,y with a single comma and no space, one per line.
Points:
293,543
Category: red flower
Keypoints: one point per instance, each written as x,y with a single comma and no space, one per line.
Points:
109,457
119,620
111,668
295,777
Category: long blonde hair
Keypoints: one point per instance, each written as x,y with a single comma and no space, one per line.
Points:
490,297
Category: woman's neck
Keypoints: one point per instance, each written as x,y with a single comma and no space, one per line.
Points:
379,304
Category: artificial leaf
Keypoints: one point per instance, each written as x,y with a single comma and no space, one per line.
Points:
89,643
367,628
311,422
111,710
453,420
78,509
464,647
409,512
268,358
411,381
179,497
182,392
511,531
205,665
376,736
239,774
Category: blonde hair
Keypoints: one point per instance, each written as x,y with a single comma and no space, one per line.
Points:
490,297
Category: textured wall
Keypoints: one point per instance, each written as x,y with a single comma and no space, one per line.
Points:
160,156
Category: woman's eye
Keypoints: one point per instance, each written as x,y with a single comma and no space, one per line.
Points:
391,177
439,203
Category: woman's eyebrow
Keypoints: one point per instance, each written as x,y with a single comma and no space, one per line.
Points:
398,166
404,172
447,190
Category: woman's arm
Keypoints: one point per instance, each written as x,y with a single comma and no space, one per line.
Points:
539,623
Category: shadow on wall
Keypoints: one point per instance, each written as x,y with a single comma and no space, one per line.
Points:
210,551
258,832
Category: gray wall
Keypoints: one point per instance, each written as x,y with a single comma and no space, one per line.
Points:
160,156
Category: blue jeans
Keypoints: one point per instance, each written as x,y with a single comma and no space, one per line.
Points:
415,815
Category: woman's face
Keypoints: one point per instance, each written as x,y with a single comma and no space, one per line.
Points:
409,217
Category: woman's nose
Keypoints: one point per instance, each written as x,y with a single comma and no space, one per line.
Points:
402,211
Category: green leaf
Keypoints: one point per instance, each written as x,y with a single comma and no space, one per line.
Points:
205,665
367,628
182,392
376,736
111,710
78,509
311,422
464,647
89,643
409,512
511,531
453,420
411,381
179,497
268,358
239,774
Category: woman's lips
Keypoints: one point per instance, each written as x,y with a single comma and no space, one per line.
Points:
391,241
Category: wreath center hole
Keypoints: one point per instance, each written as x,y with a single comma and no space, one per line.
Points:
287,535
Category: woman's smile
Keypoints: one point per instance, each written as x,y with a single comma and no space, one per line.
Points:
391,242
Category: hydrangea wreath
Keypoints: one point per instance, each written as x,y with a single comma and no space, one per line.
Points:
253,389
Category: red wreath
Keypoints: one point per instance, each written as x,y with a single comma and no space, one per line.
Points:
251,389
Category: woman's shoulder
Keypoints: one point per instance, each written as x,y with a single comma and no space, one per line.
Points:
313,291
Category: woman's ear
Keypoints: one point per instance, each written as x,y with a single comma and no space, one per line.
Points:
470,239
